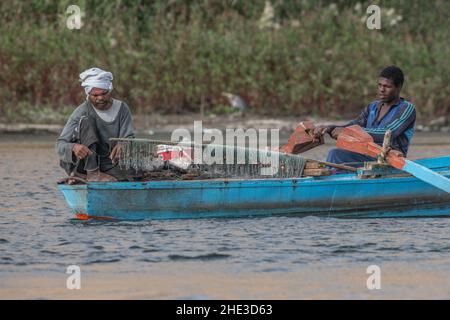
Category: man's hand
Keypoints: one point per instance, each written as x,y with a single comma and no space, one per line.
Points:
81,151
336,132
320,131
115,153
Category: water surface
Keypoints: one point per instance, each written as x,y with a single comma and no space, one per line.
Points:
252,258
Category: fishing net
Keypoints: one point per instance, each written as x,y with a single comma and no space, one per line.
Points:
212,161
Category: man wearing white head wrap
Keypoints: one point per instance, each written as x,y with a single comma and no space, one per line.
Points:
96,78
84,146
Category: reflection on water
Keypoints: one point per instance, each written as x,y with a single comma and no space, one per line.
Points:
206,258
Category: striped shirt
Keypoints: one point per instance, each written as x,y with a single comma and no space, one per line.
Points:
400,119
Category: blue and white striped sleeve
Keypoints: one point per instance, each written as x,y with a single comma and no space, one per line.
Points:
406,115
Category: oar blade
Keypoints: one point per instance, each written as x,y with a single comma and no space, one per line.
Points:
355,139
427,175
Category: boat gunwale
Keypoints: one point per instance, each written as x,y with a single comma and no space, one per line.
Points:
435,164
249,183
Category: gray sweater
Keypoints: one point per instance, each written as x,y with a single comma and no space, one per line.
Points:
120,127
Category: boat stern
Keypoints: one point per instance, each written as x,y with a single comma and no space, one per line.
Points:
76,196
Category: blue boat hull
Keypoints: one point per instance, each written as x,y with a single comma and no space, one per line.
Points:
341,195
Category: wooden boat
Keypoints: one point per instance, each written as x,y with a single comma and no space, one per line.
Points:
372,192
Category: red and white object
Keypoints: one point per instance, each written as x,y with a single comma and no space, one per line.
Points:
178,156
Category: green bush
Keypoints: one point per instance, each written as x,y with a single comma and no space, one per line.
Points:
309,58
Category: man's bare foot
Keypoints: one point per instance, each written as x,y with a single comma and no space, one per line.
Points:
76,177
98,176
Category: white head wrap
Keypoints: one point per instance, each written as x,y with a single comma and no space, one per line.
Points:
96,78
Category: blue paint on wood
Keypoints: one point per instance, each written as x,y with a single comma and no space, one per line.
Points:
427,175
340,195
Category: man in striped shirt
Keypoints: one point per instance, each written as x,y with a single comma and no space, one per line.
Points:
389,112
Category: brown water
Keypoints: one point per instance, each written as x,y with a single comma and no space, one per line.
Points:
261,258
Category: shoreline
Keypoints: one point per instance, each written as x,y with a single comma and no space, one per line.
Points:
157,124
150,124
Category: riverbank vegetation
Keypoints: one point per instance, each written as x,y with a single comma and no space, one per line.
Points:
283,58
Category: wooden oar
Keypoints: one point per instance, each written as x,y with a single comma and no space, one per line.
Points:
355,139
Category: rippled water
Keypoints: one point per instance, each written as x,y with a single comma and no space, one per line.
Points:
273,257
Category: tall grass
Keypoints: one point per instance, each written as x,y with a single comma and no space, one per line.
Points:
310,58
